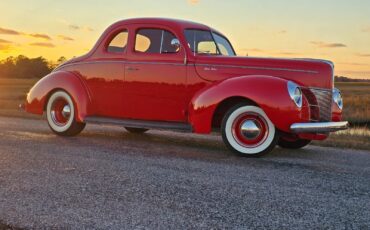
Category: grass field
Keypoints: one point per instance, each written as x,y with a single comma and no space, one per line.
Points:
356,102
12,93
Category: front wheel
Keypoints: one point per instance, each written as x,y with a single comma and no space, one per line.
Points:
294,144
60,114
248,131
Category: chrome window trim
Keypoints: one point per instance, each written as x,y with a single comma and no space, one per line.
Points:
161,46
122,62
260,68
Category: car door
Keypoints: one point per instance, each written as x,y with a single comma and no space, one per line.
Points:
104,74
155,77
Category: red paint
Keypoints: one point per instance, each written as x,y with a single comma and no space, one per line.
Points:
179,86
313,136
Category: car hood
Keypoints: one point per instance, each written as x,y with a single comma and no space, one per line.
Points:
306,72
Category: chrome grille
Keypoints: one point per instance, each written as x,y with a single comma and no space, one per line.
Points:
323,101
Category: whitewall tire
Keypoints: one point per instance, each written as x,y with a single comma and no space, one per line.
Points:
248,131
61,113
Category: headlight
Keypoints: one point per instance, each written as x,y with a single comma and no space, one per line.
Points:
295,93
337,98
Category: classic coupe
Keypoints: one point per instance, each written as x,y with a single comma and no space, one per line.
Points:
156,73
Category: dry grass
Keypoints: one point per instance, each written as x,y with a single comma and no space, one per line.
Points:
355,138
12,93
356,101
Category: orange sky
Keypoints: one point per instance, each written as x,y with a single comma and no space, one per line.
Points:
335,30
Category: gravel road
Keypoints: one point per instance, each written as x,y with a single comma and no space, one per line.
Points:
109,179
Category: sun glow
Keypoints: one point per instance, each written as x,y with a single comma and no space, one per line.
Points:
334,30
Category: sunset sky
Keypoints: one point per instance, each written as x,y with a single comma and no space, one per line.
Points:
338,30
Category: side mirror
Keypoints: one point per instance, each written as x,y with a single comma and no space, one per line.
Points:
175,43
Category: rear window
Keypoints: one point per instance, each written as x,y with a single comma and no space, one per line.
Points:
118,43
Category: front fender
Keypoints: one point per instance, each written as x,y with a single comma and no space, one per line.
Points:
59,80
269,93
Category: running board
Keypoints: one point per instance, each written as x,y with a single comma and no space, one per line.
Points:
140,123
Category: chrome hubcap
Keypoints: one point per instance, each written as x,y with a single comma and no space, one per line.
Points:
66,112
250,130
61,112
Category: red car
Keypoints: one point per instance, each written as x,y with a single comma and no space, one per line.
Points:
154,73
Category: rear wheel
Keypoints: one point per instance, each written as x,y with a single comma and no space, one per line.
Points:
293,144
136,130
248,131
60,114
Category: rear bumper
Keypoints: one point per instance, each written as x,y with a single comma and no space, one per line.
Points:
319,127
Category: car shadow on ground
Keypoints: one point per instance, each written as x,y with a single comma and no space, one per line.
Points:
98,140
167,143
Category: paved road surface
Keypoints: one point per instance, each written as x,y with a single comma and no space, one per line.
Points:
108,178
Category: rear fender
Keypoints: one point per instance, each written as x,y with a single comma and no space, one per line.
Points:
269,93
60,80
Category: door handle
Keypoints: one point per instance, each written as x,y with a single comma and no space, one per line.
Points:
130,68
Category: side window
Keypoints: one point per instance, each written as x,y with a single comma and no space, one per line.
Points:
154,41
224,45
148,41
167,47
201,42
118,43
207,47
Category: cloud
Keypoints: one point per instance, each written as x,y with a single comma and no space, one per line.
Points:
288,53
5,47
328,45
2,41
19,33
73,26
76,27
43,44
9,31
282,32
65,38
353,63
193,2
258,51
42,36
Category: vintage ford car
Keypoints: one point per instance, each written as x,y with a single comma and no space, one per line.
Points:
154,73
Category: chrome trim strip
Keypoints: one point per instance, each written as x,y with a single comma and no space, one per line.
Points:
154,63
259,68
160,49
317,88
319,127
123,62
184,64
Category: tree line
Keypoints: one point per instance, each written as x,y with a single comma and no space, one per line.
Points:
24,67
347,79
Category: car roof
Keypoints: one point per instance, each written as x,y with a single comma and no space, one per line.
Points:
178,23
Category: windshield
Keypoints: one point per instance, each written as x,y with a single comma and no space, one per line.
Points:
208,43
